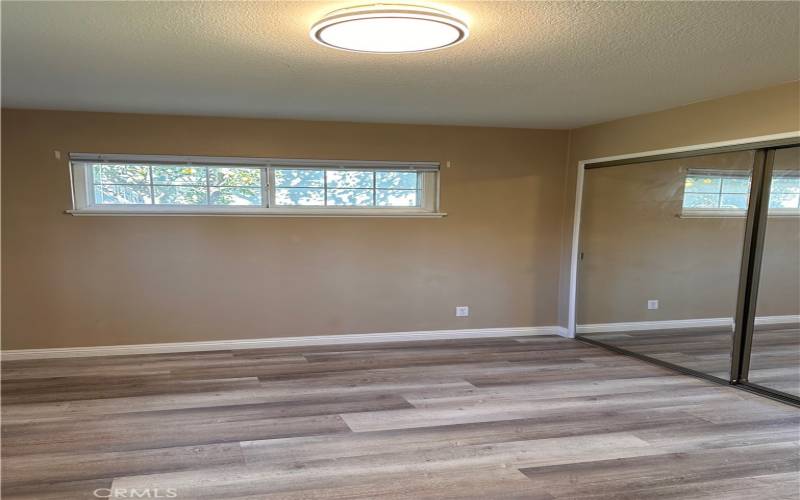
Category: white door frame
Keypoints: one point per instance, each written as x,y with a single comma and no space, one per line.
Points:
576,223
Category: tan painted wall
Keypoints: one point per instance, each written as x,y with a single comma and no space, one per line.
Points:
84,281
761,112
636,247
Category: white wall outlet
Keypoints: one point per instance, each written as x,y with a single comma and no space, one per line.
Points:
462,311
652,304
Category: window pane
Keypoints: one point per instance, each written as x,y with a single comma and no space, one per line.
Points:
786,185
286,177
179,175
351,197
691,200
250,177
121,174
734,201
736,185
783,200
235,196
122,195
299,196
395,198
349,179
180,195
396,180
702,184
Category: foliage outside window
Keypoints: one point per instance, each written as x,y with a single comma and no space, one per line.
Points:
115,184
363,188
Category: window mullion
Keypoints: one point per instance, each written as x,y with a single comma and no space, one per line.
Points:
266,186
419,192
325,187
152,187
88,172
208,185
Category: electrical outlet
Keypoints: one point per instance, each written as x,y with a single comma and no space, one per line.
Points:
652,304
462,311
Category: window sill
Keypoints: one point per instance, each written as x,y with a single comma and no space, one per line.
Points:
727,214
273,212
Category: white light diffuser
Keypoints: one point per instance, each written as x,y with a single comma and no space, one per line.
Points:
389,29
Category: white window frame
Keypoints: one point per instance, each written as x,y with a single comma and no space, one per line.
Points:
716,212
83,195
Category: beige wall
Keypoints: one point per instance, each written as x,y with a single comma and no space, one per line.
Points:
637,247
84,281
761,112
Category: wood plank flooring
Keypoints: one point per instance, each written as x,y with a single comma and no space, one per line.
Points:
775,360
534,418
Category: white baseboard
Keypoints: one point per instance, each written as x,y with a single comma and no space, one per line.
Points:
682,323
654,325
778,320
224,345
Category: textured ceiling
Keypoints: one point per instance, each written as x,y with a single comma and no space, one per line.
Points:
526,64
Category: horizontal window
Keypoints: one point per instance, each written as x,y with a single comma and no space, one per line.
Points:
120,184
721,193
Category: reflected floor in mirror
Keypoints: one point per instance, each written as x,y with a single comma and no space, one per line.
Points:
775,361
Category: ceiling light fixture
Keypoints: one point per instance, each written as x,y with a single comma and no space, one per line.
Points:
389,29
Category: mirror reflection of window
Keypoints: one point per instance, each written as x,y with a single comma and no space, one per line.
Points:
719,193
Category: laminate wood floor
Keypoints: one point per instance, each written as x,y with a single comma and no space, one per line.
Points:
774,363
535,418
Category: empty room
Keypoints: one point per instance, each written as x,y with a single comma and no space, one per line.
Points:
328,250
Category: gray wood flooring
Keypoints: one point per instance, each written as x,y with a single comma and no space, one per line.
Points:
534,418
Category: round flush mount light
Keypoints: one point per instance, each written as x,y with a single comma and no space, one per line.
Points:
389,29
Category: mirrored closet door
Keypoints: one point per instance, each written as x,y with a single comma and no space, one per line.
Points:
670,263
661,257
775,351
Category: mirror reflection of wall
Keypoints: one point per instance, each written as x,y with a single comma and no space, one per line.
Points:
775,357
661,247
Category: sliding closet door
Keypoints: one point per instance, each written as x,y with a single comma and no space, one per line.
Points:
661,245
775,351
